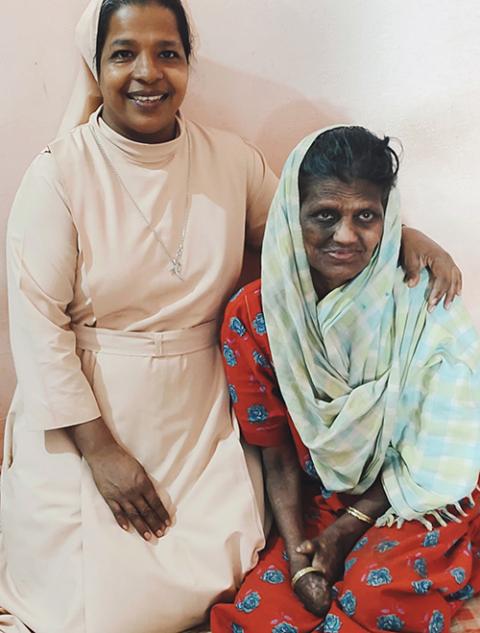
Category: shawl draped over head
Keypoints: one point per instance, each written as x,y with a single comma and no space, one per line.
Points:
86,96
375,384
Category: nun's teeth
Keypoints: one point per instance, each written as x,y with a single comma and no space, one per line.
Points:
149,99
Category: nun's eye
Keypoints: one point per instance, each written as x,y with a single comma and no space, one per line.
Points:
122,55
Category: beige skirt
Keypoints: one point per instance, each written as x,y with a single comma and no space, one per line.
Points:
65,565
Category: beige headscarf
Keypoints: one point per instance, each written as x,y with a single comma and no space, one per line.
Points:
86,96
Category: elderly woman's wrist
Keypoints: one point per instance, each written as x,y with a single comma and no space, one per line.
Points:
297,562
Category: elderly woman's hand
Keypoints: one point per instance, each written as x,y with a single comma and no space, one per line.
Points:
313,589
327,553
419,251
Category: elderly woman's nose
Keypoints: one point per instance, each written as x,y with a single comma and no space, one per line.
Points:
148,68
345,232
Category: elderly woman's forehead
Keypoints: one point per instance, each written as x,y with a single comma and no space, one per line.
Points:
335,187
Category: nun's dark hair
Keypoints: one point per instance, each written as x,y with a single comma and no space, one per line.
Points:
348,154
109,7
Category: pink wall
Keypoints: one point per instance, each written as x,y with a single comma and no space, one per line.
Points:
275,70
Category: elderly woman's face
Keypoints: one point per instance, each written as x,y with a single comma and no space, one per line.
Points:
341,226
143,73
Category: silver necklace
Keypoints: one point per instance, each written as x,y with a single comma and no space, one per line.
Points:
176,264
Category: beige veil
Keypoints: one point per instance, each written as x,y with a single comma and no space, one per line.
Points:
86,97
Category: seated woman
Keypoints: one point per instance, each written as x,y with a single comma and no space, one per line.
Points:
366,406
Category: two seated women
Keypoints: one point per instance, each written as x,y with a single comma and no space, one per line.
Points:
365,406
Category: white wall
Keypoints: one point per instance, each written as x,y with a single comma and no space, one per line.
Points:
274,70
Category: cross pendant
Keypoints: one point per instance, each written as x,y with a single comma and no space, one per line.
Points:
176,268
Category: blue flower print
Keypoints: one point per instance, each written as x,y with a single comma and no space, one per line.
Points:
421,586
349,564
332,624
420,566
379,577
284,627
236,628
260,359
385,546
309,468
360,544
259,324
257,414
229,355
437,623
465,593
285,556
273,576
390,623
431,539
249,603
459,574
348,602
233,394
237,326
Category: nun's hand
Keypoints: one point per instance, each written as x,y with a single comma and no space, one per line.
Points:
418,252
128,492
121,480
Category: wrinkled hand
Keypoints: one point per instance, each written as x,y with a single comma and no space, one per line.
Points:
327,554
418,252
128,491
314,591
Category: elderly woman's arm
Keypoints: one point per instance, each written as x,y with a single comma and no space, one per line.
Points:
283,483
329,550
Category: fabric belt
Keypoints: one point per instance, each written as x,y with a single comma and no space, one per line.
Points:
150,344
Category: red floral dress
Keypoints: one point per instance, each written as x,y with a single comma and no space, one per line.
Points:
405,579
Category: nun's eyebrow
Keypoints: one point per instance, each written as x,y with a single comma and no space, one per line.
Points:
162,43
122,43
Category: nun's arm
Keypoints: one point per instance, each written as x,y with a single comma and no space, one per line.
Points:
419,251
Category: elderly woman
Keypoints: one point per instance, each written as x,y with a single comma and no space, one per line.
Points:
366,407
127,503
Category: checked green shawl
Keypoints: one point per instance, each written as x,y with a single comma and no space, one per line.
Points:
374,384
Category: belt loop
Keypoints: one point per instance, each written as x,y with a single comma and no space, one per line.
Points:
158,340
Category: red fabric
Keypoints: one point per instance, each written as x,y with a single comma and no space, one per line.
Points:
404,579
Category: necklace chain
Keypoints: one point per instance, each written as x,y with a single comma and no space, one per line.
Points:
176,264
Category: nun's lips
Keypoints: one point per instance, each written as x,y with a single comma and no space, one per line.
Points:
148,102
148,98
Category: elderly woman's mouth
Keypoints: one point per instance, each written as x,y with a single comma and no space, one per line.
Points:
342,254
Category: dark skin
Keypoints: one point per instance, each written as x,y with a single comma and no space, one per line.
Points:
342,224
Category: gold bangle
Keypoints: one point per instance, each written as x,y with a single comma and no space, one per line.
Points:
301,573
361,516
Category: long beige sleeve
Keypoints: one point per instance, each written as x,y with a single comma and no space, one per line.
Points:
41,266
262,184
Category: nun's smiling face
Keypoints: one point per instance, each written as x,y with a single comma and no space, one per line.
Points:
143,73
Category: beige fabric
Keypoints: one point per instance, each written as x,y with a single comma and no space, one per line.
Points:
79,254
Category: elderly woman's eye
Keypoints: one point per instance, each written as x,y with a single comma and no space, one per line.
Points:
325,216
366,215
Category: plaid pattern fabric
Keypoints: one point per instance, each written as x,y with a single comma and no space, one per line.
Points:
467,619
372,381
